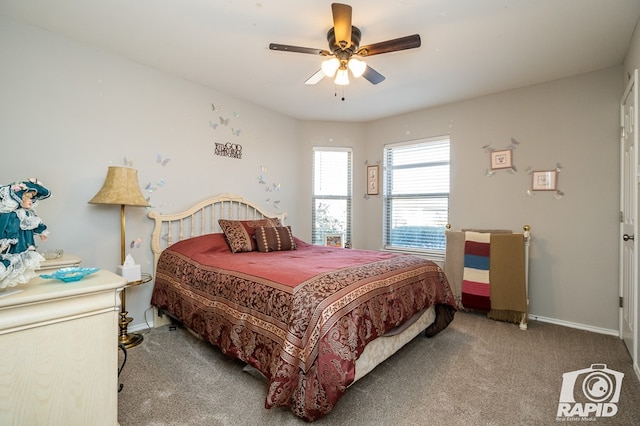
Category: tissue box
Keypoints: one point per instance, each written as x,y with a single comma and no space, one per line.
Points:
130,272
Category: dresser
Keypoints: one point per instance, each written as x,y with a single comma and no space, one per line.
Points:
59,351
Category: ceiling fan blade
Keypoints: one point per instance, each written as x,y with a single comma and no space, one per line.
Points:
342,24
373,76
319,75
298,49
402,43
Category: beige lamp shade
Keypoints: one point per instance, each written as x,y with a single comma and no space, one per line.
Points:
120,187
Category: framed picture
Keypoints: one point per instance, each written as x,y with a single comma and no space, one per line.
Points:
502,159
546,180
373,180
333,240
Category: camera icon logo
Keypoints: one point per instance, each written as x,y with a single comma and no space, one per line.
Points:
592,391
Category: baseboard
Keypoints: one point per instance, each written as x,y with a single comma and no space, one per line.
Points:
138,328
155,322
610,332
575,325
159,321
164,320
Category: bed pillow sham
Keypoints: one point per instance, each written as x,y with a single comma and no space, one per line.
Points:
277,238
240,233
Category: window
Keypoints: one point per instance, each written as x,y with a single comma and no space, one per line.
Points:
331,194
416,195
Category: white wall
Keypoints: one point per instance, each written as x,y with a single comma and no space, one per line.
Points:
572,122
329,134
68,111
632,59
574,263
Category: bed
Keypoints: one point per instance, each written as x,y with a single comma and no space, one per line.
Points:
312,319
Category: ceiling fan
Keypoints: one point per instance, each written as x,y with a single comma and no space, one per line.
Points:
344,45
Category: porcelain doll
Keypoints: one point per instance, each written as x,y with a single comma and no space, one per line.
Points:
19,224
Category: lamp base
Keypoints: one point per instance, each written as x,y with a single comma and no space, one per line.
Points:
130,340
126,339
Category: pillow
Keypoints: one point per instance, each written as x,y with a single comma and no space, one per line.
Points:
277,238
240,233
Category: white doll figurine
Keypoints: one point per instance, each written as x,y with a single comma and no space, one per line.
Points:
19,223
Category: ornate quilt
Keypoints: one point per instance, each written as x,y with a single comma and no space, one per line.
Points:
301,317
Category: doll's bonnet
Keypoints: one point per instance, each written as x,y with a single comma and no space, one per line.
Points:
11,195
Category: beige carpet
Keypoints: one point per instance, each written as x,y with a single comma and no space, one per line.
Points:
476,372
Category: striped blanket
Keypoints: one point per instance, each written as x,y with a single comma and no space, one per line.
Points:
476,289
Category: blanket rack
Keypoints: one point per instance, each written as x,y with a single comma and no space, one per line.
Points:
509,298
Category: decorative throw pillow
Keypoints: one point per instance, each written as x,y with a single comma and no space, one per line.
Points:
240,233
275,238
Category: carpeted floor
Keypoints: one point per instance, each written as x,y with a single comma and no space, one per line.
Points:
476,372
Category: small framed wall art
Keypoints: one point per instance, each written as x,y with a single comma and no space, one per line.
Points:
502,159
545,180
333,240
373,180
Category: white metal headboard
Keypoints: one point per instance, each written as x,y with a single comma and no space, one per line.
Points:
202,219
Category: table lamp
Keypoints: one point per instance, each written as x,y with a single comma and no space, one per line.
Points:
121,188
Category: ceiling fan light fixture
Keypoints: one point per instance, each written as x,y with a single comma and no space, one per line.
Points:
357,67
342,77
343,42
330,66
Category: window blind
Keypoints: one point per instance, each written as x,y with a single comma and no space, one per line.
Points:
416,195
331,210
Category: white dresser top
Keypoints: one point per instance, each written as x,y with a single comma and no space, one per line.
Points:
22,305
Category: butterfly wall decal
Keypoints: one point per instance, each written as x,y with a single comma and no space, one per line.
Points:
136,243
150,188
161,160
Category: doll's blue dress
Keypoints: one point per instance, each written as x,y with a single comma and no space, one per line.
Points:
19,262
18,226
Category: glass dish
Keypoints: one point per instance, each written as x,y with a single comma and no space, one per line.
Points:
51,254
70,274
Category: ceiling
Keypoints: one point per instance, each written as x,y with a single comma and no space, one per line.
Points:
469,48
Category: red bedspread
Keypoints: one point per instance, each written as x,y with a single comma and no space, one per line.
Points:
300,317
